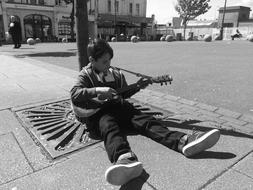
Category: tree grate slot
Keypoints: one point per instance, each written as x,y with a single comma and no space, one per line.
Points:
57,130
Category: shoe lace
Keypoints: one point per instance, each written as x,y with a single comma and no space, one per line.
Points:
194,131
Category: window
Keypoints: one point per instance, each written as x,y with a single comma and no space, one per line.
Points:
109,6
24,1
33,2
131,8
228,25
116,6
41,2
137,9
58,2
64,28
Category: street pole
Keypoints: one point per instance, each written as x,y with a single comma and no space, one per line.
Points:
115,30
223,18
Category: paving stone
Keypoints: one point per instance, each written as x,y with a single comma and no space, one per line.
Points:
170,108
248,118
155,93
206,107
247,128
188,109
235,127
210,118
13,163
188,102
34,154
233,120
245,166
170,97
231,180
171,103
208,113
229,127
228,113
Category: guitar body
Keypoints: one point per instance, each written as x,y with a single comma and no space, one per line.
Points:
84,112
92,106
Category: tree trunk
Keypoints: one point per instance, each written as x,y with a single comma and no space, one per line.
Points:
184,29
72,22
82,32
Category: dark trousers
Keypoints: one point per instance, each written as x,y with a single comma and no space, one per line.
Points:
114,122
16,40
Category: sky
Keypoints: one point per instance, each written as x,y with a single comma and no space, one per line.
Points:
164,9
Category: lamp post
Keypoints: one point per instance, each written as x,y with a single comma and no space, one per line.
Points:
222,21
115,21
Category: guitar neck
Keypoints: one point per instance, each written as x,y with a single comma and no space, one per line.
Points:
127,88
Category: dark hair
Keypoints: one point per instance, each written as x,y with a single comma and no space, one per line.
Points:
98,48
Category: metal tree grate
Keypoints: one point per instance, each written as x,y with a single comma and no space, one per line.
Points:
58,132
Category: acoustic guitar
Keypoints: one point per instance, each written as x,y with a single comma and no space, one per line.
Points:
95,104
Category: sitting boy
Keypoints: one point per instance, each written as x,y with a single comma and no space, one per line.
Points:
110,116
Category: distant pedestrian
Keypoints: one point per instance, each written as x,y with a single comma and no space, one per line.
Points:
99,98
45,31
237,34
15,32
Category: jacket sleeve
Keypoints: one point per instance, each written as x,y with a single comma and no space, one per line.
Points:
82,89
128,93
10,30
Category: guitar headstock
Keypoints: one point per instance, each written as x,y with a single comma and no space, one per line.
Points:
163,79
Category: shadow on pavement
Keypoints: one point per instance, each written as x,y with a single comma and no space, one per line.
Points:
214,155
196,125
48,54
136,183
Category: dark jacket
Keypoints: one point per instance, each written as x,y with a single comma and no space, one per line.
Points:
15,29
83,91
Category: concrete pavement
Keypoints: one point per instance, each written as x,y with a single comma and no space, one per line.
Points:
228,165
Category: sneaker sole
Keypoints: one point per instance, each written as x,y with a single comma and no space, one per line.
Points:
206,141
121,174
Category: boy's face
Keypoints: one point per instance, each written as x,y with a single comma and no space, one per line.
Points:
103,63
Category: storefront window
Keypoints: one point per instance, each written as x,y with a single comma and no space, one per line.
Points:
64,28
38,26
41,2
33,2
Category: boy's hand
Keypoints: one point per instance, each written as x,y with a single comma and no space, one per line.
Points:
105,93
143,83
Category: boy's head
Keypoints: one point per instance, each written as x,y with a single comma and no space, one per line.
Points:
100,54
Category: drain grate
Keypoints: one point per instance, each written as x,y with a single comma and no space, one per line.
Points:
55,127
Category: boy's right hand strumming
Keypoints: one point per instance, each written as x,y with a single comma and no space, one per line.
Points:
105,93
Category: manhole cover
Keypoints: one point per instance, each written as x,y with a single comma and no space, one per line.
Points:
58,132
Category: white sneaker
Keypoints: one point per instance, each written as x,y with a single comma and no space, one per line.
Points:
125,169
199,142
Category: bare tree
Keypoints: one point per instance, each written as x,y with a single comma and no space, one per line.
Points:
82,36
190,9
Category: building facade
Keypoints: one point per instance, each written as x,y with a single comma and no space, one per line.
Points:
45,19
123,18
50,20
234,15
